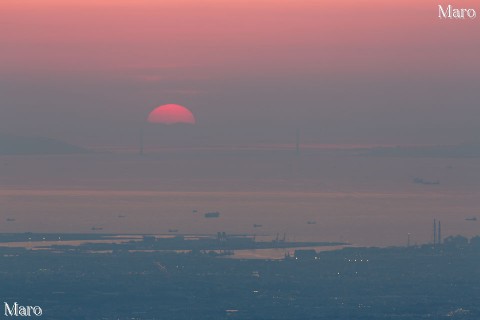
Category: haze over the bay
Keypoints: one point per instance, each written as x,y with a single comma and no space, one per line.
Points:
258,76
240,159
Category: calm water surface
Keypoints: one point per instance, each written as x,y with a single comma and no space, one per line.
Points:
362,200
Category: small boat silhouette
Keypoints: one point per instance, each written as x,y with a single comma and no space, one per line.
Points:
212,214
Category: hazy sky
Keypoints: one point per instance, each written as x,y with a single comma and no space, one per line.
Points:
345,71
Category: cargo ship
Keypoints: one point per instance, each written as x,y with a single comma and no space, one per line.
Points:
212,214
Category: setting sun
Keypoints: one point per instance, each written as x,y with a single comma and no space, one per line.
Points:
171,114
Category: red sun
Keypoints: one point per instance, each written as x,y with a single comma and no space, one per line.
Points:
171,114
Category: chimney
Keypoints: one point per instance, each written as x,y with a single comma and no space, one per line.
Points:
439,240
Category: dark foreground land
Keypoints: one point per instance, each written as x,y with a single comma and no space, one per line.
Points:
353,283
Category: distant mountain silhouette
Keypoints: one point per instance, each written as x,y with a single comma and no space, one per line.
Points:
18,145
446,151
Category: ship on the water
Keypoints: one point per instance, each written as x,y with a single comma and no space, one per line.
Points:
215,214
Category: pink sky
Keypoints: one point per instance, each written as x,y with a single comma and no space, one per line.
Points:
228,36
176,51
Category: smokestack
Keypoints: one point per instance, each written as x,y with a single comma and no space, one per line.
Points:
439,240
434,232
